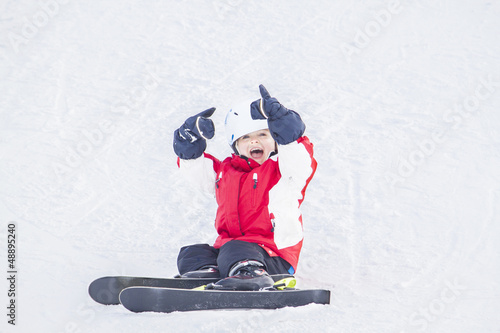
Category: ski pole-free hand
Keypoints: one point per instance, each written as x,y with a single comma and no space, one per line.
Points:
190,140
285,125
198,126
267,107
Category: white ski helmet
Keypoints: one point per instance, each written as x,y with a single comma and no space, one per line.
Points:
239,122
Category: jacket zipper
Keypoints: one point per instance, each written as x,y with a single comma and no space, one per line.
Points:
218,180
239,221
255,180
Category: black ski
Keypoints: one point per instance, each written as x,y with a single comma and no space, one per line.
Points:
141,299
106,290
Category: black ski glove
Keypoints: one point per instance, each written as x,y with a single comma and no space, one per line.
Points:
190,140
285,125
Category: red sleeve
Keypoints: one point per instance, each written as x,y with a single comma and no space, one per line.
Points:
314,164
215,161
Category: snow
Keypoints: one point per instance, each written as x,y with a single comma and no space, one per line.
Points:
400,98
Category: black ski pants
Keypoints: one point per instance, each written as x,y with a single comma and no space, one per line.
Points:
193,257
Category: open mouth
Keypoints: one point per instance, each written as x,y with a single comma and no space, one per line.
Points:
256,153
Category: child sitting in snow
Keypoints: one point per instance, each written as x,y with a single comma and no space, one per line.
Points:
258,192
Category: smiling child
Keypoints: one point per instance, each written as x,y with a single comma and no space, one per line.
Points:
259,191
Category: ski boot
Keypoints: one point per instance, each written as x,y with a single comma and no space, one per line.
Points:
207,271
248,275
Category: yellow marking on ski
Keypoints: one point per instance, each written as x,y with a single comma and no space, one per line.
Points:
200,287
289,282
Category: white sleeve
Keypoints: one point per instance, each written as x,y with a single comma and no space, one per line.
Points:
295,164
296,168
199,173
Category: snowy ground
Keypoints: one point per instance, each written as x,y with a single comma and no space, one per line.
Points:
401,99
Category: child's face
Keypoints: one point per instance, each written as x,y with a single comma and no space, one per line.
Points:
256,145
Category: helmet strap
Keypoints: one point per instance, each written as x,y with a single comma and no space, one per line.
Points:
235,148
275,151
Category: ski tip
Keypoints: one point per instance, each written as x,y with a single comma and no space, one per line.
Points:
103,291
132,298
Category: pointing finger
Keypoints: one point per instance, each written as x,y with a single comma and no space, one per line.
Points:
263,92
207,113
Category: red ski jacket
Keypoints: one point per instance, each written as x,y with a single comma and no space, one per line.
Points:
260,203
